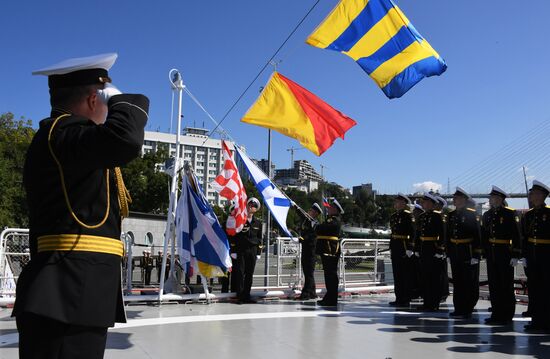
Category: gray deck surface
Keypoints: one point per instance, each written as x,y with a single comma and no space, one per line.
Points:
363,327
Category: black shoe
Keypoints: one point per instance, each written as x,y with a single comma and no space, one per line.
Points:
536,328
526,314
249,301
399,304
423,308
456,314
496,321
326,303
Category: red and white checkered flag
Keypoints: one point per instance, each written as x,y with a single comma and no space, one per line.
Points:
229,185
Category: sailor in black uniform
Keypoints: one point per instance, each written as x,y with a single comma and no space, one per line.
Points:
248,242
70,291
502,247
429,243
442,207
464,249
402,249
328,247
308,239
536,252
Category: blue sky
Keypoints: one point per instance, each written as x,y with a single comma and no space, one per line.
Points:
495,87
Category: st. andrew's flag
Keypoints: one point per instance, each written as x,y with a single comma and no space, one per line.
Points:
275,200
203,244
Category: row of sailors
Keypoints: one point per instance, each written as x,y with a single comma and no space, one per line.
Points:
420,245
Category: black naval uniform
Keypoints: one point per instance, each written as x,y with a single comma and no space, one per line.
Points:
308,240
463,244
147,269
248,242
536,249
328,247
501,242
429,242
70,291
402,239
228,283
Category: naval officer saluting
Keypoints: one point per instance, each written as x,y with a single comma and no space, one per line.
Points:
70,291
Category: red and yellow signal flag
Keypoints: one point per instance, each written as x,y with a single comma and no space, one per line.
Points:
290,109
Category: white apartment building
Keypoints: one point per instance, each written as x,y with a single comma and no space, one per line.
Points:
206,159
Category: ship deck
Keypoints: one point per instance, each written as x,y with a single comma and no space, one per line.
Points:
362,327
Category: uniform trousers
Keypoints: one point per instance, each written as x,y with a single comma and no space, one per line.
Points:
465,278
45,338
308,267
402,271
501,282
330,269
246,263
538,283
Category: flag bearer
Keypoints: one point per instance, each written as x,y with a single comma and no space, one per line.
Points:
464,249
502,247
328,247
70,291
308,240
247,241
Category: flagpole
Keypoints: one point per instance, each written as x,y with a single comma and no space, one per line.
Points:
268,226
177,84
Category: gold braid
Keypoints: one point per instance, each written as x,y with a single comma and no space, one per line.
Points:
123,194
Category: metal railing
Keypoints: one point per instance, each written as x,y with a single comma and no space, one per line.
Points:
364,263
14,255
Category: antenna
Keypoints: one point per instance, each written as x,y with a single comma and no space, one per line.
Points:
291,150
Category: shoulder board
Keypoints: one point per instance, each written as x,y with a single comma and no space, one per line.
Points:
470,209
407,211
547,207
453,211
530,209
509,208
438,212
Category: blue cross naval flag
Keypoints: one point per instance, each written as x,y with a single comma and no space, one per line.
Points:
275,200
202,242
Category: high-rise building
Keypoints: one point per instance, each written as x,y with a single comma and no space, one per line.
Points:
302,176
366,187
203,154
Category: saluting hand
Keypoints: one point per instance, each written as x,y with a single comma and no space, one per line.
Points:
106,93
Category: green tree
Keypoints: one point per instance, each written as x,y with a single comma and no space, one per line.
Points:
147,185
15,138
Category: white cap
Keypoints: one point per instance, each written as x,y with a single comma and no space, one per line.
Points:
316,207
79,71
442,201
337,205
102,61
541,186
498,191
461,191
430,197
254,200
405,197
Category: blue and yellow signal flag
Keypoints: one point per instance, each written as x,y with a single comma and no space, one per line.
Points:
380,38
